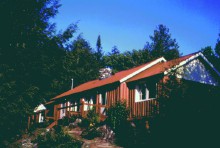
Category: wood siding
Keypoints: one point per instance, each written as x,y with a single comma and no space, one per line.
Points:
113,95
146,108
124,92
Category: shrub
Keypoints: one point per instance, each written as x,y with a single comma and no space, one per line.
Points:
65,121
91,120
91,133
90,123
72,119
56,138
117,115
85,123
93,117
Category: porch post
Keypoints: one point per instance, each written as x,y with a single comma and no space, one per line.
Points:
29,119
97,103
82,107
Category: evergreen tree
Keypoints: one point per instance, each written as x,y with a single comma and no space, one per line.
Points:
31,57
115,50
162,44
209,54
99,52
80,63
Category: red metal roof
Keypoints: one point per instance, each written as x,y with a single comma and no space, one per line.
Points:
159,68
97,83
50,102
155,69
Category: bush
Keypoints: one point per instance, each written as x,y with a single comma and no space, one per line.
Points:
73,119
91,133
117,115
64,121
140,136
90,123
85,123
91,120
56,138
93,117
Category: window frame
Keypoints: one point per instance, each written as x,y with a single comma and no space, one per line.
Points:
101,98
139,88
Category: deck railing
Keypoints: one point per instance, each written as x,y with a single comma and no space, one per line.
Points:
147,108
84,108
140,109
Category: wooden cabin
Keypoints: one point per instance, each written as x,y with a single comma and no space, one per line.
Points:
139,87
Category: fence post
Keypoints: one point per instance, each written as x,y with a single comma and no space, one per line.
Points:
82,108
97,108
29,119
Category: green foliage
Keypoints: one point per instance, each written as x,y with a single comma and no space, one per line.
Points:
90,124
73,118
93,117
91,133
57,138
186,116
85,123
122,61
36,63
117,114
127,133
212,56
91,120
77,66
30,60
162,44
99,52
64,121
134,134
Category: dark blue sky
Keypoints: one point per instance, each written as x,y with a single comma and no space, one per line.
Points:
128,23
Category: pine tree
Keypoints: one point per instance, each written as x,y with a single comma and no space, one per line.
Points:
162,44
80,63
31,57
115,50
99,52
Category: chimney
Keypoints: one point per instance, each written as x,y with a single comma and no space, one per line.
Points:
105,73
72,83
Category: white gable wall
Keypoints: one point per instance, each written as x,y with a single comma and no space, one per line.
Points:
196,70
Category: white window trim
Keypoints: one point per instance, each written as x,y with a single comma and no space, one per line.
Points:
100,98
138,96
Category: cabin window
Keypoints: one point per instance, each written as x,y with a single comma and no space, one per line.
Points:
92,100
89,100
75,106
145,92
103,98
62,106
68,105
